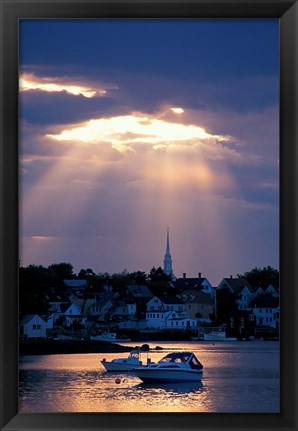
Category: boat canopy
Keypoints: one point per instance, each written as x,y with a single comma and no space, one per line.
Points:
181,357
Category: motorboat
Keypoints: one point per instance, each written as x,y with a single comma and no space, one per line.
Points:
109,336
125,364
174,367
217,336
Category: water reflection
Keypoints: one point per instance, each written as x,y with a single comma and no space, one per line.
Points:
242,379
173,388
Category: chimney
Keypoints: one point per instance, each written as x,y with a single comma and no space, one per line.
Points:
184,275
231,277
200,275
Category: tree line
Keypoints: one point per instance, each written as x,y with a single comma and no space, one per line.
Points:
36,280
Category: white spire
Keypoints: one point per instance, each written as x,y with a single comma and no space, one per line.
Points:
168,258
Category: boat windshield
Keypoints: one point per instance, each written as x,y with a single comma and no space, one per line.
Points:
175,357
195,363
134,354
183,357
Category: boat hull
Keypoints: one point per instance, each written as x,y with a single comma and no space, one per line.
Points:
150,376
109,366
108,338
214,337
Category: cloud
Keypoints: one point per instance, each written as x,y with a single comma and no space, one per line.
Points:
58,84
125,131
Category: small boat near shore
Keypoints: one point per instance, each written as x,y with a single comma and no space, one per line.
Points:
109,336
126,364
217,336
174,367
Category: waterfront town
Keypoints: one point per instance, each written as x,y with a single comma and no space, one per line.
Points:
56,304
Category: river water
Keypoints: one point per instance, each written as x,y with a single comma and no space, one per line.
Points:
238,377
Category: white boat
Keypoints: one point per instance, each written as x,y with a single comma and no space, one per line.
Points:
218,336
109,336
174,367
125,364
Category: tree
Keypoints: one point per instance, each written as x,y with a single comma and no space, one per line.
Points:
138,277
64,271
34,281
158,275
261,276
85,273
159,282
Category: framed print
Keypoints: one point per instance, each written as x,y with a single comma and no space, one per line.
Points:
148,151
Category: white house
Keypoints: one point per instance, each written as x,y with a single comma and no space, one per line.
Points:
273,290
156,319
56,302
170,303
241,287
169,320
159,309
266,310
173,321
33,326
74,314
124,308
197,283
78,287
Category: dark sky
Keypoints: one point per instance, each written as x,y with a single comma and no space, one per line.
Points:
131,126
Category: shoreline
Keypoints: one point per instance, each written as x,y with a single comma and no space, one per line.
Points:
56,347
61,347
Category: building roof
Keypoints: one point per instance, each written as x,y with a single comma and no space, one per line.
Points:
238,284
75,283
102,300
264,302
64,307
28,317
140,291
189,283
203,298
275,285
56,297
171,300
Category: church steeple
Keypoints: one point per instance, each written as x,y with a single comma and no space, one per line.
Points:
168,258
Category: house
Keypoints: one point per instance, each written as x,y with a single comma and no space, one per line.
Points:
200,307
124,308
242,324
273,289
156,319
175,322
166,303
266,310
169,320
102,305
78,287
33,326
56,302
241,288
198,283
73,315
160,309
139,291
141,295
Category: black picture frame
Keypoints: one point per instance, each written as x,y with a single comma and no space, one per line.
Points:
13,10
